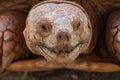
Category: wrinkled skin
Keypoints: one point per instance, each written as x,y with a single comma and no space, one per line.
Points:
113,34
12,42
59,33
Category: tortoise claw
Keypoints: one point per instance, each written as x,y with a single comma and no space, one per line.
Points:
3,72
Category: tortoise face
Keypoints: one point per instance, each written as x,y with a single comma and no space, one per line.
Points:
59,32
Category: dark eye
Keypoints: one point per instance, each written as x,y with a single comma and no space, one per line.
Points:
78,26
43,27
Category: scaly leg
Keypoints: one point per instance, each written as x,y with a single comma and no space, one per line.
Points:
38,64
12,44
113,34
94,64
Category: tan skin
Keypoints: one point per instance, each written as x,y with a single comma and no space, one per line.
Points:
86,62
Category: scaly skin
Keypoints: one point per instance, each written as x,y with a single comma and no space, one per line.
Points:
63,32
11,37
113,34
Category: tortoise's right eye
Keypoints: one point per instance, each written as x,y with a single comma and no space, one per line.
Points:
78,26
43,27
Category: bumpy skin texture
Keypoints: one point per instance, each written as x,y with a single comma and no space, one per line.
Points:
113,34
12,44
58,33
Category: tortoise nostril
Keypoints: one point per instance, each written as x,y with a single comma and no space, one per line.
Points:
63,36
60,36
67,37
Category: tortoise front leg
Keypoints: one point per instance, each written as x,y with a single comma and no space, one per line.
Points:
12,44
94,64
113,34
37,64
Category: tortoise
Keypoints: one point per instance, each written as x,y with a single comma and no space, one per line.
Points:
74,34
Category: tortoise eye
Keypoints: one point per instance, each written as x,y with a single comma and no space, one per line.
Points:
43,27
78,26
76,23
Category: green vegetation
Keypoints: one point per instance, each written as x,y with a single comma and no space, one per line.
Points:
25,74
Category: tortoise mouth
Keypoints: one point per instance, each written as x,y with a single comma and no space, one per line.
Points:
62,56
68,50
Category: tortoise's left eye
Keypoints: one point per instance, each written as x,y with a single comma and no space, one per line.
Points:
78,26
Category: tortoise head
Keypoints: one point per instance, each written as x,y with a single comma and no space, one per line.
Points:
58,30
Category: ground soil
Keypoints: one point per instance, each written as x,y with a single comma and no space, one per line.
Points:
62,74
